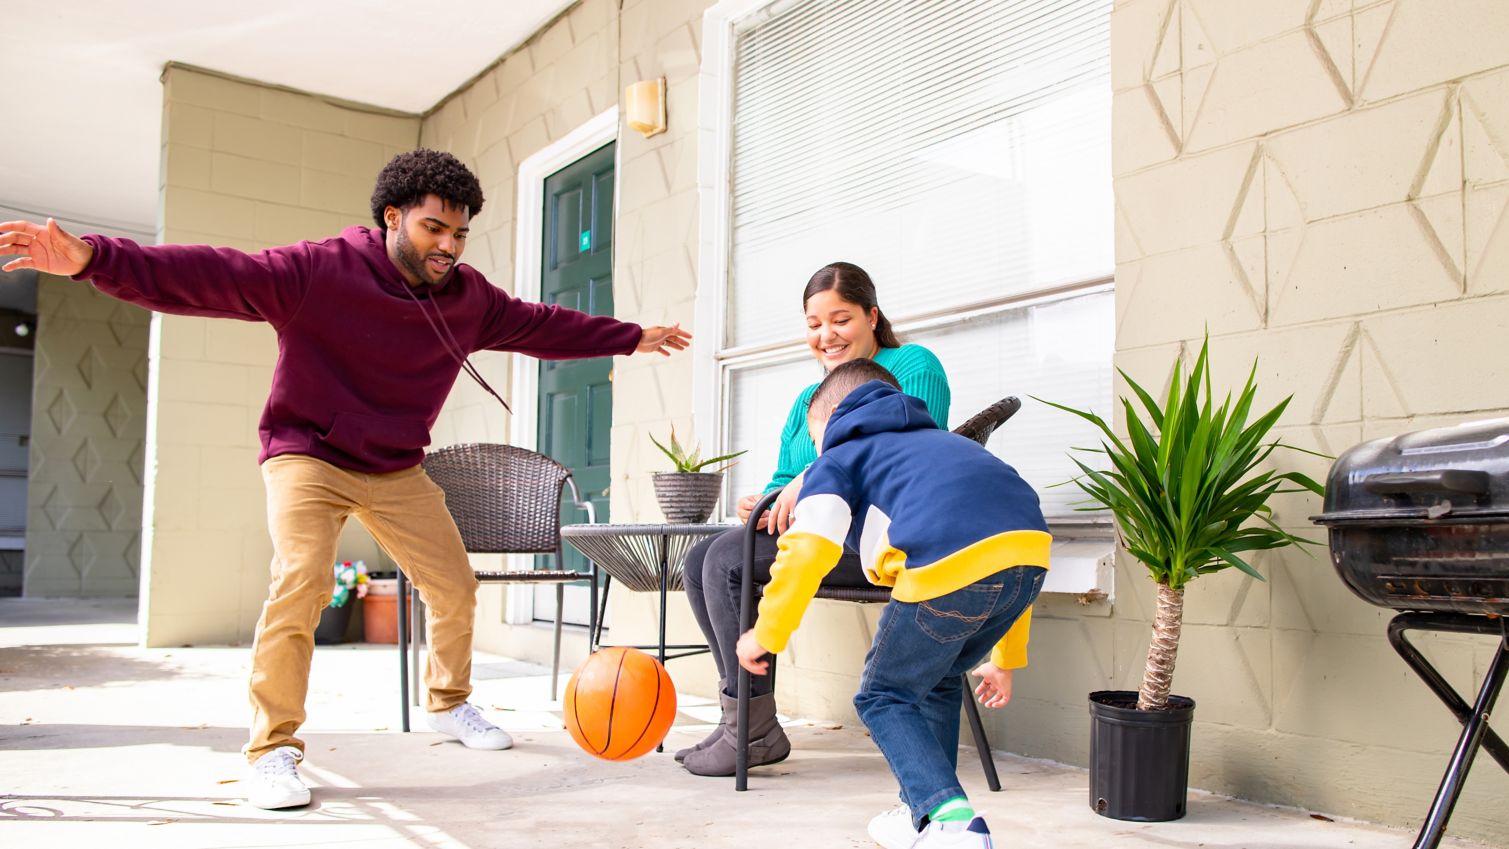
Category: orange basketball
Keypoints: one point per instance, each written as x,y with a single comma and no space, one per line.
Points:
620,704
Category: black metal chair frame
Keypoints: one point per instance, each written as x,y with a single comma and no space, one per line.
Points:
469,475
979,428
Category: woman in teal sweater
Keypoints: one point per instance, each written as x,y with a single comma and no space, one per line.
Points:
843,323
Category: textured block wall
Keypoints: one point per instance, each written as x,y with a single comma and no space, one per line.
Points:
244,166
1323,185
83,523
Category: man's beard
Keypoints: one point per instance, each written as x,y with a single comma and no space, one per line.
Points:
409,258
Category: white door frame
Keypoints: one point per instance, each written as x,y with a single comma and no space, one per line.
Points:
528,234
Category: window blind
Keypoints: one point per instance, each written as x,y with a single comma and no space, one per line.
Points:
959,150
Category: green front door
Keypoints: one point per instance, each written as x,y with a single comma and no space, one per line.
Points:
576,396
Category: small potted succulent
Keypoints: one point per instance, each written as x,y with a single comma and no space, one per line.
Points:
688,494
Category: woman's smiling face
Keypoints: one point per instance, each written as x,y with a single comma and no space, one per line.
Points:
839,330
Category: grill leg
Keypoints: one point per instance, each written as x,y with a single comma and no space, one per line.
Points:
1456,624
1475,721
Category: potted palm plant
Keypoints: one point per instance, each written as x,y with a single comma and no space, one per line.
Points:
688,494
1185,487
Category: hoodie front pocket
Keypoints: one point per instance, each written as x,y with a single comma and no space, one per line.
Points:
383,440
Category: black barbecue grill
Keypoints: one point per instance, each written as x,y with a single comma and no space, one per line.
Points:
1420,523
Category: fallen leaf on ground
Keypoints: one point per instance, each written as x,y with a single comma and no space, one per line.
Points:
228,781
1321,817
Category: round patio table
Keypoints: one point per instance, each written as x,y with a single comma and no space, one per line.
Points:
644,558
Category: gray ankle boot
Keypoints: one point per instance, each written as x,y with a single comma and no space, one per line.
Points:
726,719
767,740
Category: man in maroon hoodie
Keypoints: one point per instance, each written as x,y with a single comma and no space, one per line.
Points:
349,413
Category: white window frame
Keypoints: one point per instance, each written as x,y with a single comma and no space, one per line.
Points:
1083,564
523,429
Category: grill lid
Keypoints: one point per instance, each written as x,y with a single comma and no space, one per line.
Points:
1445,474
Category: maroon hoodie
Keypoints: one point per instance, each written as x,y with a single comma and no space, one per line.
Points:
361,374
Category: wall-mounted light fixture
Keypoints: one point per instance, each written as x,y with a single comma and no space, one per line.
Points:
25,328
644,106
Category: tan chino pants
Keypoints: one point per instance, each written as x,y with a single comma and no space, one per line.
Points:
308,502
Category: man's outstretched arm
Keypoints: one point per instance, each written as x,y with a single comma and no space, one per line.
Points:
177,279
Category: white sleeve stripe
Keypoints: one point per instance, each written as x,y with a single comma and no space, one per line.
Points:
825,515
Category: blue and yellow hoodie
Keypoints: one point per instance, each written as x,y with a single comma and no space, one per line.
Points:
929,512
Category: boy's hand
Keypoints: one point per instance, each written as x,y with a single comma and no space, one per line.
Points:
750,651
995,685
779,518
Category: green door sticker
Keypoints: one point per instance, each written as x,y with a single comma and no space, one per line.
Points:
586,241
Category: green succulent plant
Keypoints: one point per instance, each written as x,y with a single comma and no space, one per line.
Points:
690,460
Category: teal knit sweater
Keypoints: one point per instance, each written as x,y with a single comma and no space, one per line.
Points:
916,369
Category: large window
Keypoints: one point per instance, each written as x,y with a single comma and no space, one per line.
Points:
959,151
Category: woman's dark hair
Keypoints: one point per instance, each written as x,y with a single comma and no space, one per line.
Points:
855,286
410,176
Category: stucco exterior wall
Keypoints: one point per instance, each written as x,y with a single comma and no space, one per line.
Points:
1322,186
88,424
245,166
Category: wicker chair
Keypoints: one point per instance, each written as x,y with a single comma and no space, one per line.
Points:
979,428
505,500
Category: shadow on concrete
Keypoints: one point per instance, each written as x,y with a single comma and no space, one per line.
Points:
61,667
42,736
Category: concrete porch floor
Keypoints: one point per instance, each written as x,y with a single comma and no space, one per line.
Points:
105,744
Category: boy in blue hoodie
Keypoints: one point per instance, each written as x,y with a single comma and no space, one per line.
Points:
960,539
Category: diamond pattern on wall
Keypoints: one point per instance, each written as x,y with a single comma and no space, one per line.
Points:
139,372
125,321
89,409
112,509
117,415
53,508
89,365
131,555
134,462
1440,171
61,412
86,460
82,554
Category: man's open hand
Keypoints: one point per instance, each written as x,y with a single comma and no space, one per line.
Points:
663,340
49,248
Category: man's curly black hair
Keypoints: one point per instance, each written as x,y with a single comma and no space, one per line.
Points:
410,176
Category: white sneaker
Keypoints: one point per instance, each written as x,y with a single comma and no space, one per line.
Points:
955,835
465,723
275,780
893,829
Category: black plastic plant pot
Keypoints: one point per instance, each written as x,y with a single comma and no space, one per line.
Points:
1139,759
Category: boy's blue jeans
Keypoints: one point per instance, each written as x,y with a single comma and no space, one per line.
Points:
909,695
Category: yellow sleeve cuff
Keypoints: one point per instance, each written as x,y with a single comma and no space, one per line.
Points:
1011,651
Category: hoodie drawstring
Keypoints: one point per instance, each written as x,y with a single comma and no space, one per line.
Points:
452,347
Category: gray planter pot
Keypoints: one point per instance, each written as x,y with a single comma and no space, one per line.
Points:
687,497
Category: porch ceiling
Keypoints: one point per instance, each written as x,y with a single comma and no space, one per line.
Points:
83,133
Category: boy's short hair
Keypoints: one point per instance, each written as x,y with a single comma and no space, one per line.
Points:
843,379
